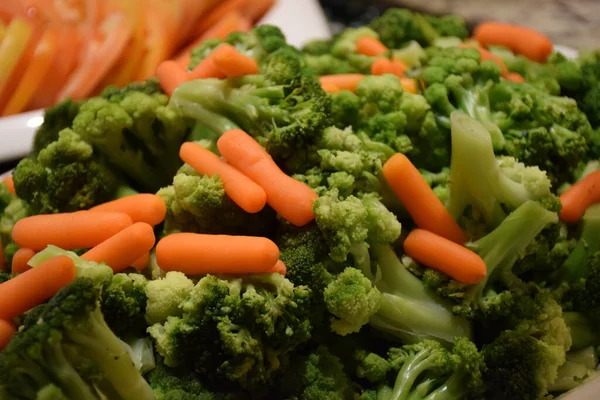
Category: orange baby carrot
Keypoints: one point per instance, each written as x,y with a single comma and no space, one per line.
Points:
528,42
35,286
20,260
10,184
445,256
514,77
292,199
206,69
343,81
227,59
196,254
124,248
144,207
370,46
330,87
78,230
2,262
382,66
141,263
409,85
7,330
170,75
241,189
279,267
579,197
420,201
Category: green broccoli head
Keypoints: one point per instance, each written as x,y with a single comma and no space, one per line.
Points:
56,119
65,176
165,295
449,25
237,331
398,26
124,303
352,299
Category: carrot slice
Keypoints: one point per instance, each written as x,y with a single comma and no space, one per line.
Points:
445,256
33,287
45,52
196,254
420,201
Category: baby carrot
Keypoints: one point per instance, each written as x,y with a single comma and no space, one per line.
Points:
279,267
9,184
370,46
292,199
35,286
240,188
445,256
579,197
20,260
206,69
141,263
124,248
382,66
227,59
7,330
528,42
409,85
144,207
196,254
420,201
342,81
170,75
2,262
514,77
78,230
330,87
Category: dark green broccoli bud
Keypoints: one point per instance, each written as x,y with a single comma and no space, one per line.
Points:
398,26
449,25
371,366
116,94
56,119
199,204
317,47
352,299
237,331
587,93
65,176
66,342
124,304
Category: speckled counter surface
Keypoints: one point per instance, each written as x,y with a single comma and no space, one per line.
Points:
574,23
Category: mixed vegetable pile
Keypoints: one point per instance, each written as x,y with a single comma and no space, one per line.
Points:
407,211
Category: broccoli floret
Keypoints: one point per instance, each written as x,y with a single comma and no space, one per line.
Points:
67,343
479,180
137,132
449,25
199,204
236,331
352,299
56,119
165,295
282,107
371,366
65,176
397,26
124,303
588,93
116,94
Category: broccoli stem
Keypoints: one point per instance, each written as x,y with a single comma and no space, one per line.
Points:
215,122
453,389
575,266
579,365
101,345
408,309
70,381
501,248
582,331
475,177
410,371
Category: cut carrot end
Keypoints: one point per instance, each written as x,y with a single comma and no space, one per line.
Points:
279,268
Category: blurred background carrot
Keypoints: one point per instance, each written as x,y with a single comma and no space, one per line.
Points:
52,50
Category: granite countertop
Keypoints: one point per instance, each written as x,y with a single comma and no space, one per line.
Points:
574,23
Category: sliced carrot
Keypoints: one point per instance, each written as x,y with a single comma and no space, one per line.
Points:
78,230
487,55
579,197
7,330
170,76
227,59
33,287
240,188
409,85
279,268
219,13
124,248
20,260
292,199
445,256
142,262
36,71
528,42
343,81
330,87
420,201
198,254
514,77
369,46
143,207
10,184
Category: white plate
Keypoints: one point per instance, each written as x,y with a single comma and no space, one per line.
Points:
300,21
